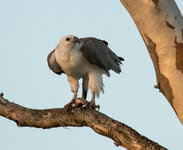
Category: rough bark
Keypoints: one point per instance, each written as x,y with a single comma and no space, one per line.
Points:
78,117
160,24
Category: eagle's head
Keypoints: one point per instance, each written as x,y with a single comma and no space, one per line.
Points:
68,41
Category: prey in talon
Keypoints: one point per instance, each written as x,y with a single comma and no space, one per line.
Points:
87,59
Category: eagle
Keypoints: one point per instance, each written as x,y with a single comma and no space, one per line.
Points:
87,58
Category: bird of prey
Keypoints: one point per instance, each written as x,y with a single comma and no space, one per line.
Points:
86,58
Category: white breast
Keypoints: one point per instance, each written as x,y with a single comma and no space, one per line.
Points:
71,62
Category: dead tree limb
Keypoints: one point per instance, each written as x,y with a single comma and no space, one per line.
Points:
77,117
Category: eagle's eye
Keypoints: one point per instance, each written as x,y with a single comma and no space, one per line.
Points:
67,39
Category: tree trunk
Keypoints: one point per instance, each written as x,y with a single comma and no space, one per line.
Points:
160,24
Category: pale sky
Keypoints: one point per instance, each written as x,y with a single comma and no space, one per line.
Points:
30,30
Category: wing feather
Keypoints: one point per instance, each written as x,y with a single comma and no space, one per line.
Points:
97,52
53,65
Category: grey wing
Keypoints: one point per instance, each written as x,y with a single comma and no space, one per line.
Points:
52,63
97,52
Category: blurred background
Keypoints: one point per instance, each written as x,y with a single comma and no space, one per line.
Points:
30,30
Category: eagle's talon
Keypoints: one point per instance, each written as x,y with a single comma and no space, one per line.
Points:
70,105
98,107
79,102
92,106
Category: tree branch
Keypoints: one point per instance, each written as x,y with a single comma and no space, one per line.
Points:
78,117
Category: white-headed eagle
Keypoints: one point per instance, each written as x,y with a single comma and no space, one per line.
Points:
86,58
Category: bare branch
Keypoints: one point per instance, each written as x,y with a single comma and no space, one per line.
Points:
58,117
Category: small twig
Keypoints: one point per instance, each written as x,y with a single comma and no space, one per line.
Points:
4,101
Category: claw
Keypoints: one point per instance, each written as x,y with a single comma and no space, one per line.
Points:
92,105
79,102
70,104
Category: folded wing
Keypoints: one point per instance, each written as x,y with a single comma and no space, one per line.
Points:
97,52
53,65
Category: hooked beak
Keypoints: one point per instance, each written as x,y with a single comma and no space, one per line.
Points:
76,40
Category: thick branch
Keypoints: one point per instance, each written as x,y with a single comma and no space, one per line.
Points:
58,117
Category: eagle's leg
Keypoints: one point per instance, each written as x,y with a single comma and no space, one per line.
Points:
72,102
74,96
75,102
84,87
92,104
74,84
82,101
